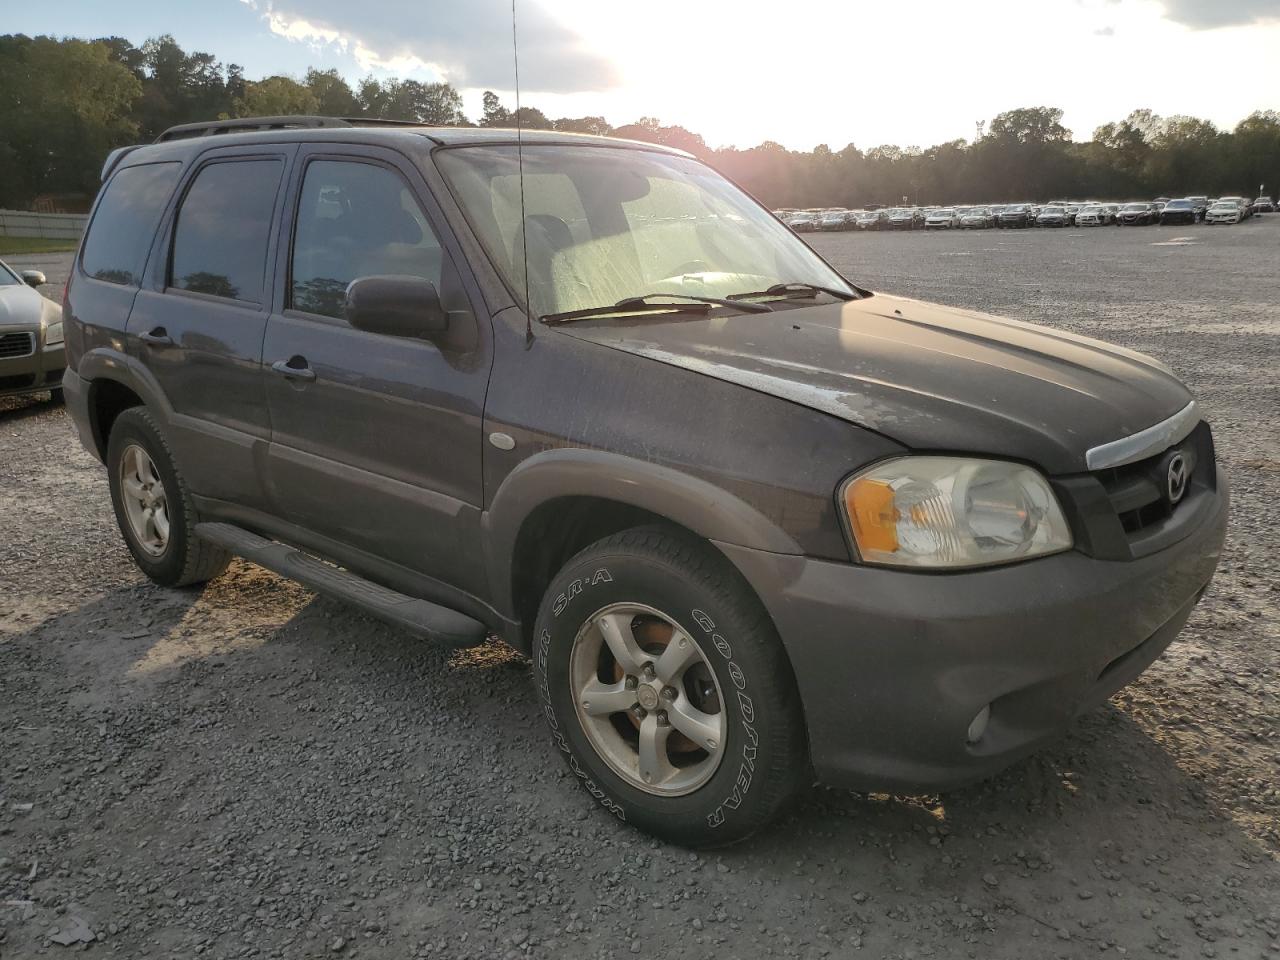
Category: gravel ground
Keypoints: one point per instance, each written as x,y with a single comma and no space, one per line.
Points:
251,770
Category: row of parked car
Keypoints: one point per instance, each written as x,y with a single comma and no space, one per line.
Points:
1056,213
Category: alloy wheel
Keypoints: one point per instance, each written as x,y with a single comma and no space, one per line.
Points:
647,699
145,502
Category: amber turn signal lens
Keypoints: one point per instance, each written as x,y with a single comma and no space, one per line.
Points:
873,515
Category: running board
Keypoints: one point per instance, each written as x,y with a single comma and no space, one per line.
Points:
420,617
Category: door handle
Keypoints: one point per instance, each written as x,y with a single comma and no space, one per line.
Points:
295,368
157,337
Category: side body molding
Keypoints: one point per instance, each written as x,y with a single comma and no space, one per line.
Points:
697,504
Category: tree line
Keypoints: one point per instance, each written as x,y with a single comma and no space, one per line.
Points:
64,103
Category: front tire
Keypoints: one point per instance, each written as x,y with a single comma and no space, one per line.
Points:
667,689
153,505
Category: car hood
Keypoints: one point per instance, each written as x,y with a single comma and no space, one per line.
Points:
20,305
930,377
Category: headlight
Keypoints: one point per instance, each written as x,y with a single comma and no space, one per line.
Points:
952,512
53,333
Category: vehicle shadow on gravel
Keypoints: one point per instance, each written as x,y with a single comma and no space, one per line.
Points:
251,718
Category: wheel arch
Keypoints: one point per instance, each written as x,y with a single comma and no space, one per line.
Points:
557,502
115,382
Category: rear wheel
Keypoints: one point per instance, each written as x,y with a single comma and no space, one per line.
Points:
667,689
153,505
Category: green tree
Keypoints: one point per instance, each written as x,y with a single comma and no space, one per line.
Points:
275,97
333,95
63,105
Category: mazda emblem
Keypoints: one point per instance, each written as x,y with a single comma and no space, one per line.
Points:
1176,480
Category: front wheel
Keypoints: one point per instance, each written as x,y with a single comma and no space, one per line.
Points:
667,689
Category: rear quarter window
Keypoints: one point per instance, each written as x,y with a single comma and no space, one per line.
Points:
115,249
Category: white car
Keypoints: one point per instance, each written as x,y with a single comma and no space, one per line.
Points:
1224,211
832,220
801,221
942,219
1092,215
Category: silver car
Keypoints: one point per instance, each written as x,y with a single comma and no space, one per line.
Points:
32,356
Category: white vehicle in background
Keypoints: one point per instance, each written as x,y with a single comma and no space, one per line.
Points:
1092,215
1244,203
801,221
1224,211
832,220
944,218
1263,205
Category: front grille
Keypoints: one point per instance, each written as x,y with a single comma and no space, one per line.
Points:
1138,492
17,345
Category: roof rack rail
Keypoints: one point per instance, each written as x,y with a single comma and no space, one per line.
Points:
184,131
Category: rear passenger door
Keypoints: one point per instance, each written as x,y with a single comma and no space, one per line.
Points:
376,440
198,323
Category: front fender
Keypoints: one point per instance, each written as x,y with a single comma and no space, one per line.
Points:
692,502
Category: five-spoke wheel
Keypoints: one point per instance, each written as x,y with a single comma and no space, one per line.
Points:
145,503
647,699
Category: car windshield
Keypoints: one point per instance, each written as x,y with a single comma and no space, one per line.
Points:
943,213
1224,205
1178,205
1051,211
1091,210
7,277
1135,207
601,225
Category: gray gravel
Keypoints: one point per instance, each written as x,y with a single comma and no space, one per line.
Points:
250,770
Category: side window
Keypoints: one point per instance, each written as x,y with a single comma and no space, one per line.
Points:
224,225
356,220
125,222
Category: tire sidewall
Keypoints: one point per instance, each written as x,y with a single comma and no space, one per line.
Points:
725,807
135,428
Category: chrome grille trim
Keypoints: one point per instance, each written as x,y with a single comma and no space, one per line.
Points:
1144,443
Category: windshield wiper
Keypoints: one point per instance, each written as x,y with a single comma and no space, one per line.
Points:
782,289
643,304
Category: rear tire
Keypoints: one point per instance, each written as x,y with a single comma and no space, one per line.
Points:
153,505
726,747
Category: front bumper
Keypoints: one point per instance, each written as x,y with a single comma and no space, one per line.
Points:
39,370
893,666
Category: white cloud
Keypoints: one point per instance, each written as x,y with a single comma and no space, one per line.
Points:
467,42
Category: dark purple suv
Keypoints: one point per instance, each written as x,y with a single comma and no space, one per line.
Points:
753,524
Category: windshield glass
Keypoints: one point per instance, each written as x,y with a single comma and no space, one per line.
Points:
943,213
7,277
603,224
1051,211
1178,205
1135,207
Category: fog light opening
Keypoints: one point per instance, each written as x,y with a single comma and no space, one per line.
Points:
978,725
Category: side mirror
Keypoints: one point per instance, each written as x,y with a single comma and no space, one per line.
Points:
34,278
396,307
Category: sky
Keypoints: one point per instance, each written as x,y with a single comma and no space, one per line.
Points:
800,72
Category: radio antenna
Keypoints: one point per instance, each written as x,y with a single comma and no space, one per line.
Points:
524,237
